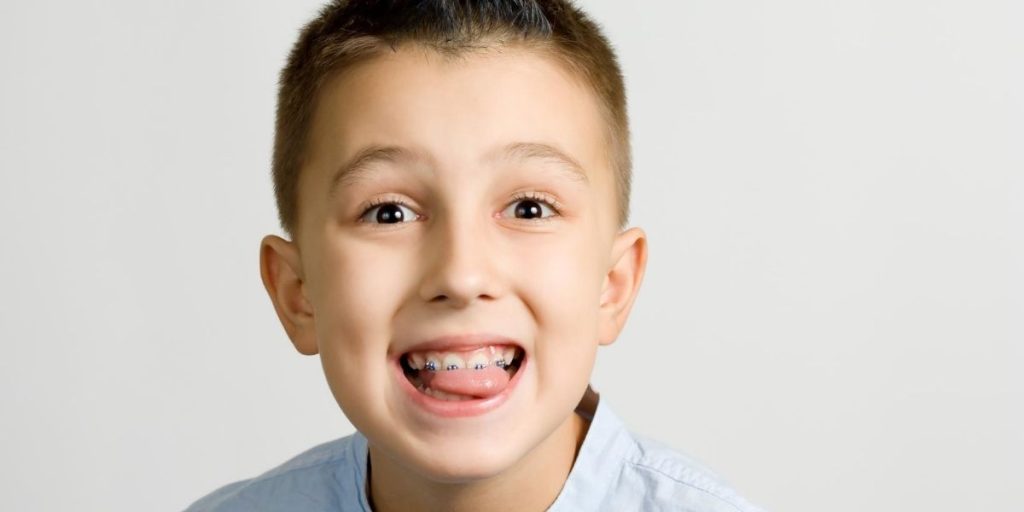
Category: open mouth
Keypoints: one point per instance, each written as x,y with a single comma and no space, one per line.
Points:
474,374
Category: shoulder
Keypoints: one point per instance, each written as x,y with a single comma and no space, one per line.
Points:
325,477
672,480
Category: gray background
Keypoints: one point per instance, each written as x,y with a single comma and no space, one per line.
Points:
832,315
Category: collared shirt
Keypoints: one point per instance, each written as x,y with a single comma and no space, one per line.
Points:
614,471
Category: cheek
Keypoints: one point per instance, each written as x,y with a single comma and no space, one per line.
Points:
362,289
563,281
565,267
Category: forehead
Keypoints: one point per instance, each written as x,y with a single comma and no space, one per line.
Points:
456,115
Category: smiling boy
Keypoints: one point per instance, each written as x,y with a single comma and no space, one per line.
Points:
454,178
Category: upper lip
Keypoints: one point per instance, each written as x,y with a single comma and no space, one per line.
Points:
459,342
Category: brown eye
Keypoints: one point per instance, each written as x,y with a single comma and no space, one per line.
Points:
389,213
530,209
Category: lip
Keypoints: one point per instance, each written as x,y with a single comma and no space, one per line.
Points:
460,408
459,342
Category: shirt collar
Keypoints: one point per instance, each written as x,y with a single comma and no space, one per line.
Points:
600,460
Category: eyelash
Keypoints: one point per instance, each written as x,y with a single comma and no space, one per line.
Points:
539,197
374,203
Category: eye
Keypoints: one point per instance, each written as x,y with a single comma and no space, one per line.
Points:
531,208
391,212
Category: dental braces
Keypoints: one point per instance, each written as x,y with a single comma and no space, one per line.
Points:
432,366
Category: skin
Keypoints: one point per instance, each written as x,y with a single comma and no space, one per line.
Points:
360,293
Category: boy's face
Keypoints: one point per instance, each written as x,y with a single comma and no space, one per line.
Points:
459,240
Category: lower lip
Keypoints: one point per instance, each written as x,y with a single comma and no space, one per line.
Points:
457,408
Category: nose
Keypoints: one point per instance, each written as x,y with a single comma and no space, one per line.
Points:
461,265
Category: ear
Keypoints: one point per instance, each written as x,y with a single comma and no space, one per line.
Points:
281,270
629,260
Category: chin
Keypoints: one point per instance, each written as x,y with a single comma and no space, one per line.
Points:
467,466
464,461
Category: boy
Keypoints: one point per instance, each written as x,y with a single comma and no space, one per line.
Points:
454,176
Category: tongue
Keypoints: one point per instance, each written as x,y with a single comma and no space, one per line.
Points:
482,383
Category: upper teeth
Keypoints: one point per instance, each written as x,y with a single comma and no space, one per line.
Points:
501,356
478,361
417,360
453,362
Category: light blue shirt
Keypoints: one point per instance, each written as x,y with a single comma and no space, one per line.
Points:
614,471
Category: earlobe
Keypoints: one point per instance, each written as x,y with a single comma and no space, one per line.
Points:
281,271
622,283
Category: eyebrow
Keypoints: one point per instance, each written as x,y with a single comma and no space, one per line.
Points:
360,166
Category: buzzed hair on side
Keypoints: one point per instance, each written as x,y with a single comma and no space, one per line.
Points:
346,32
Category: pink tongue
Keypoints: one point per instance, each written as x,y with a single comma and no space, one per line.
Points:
468,381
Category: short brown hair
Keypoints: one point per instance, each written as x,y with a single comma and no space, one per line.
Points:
349,31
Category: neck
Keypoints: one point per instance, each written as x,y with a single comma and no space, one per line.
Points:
532,484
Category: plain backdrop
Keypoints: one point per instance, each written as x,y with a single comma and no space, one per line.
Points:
833,312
